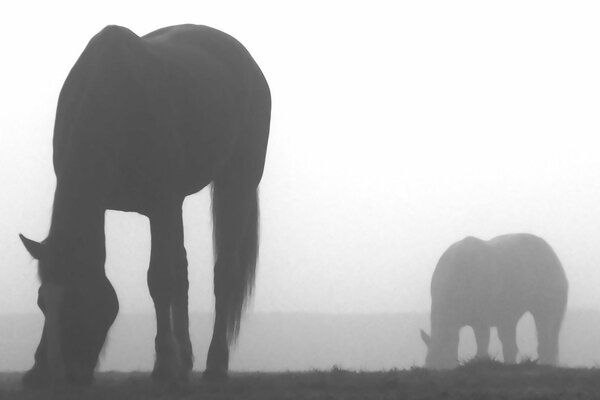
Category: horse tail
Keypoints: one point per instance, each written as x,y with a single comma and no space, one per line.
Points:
235,211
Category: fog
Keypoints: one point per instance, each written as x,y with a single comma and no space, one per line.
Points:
301,342
398,128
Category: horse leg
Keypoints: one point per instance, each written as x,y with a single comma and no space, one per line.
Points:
548,329
164,225
482,339
507,333
234,210
179,308
38,375
217,362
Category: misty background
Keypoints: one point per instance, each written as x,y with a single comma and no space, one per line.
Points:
397,129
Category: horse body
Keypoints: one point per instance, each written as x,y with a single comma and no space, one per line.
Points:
141,123
493,283
163,113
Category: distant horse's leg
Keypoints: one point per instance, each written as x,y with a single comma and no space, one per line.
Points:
235,210
482,338
547,325
507,333
165,224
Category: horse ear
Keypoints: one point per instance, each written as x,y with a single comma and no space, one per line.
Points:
426,338
34,248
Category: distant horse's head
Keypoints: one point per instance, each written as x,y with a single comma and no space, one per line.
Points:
78,309
442,350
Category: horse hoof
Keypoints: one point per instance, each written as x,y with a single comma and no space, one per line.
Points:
161,375
171,380
172,387
214,376
35,379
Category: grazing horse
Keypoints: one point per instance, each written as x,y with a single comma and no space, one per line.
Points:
493,283
141,123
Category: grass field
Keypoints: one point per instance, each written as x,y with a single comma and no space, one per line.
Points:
476,380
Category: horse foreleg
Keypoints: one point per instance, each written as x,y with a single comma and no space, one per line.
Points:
162,284
38,376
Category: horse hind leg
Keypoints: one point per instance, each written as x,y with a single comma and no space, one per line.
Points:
179,311
169,294
548,325
482,339
235,226
235,220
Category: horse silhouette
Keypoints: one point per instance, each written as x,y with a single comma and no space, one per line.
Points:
493,283
141,123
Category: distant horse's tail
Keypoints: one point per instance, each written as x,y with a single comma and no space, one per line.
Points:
235,229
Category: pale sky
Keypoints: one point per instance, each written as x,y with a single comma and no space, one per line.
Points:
398,128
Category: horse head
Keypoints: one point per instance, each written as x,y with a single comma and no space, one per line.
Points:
78,312
442,351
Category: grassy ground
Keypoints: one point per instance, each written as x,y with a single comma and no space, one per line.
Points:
476,380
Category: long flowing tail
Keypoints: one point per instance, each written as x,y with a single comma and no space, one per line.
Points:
235,230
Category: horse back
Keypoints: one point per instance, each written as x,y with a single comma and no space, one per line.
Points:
168,108
463,280
483,279
529,265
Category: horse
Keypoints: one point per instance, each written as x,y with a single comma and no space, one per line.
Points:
141,123
483,284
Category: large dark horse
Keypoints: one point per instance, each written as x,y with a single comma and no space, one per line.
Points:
493,283
141,123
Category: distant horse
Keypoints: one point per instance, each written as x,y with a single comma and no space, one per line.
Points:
141,123
493,283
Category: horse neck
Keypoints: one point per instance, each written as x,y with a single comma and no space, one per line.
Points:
77,229
445,319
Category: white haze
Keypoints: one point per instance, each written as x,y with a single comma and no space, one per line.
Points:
398,128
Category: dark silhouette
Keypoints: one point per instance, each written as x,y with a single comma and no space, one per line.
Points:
493,283
142,123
